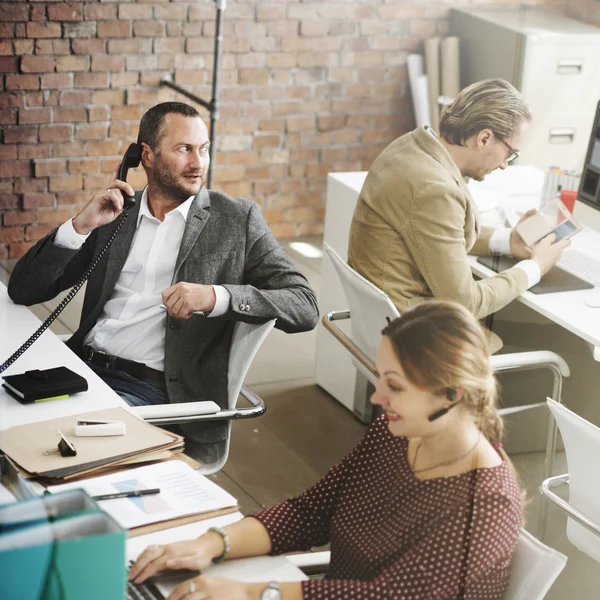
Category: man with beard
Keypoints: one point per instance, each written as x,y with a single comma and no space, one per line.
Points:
415,221
183,247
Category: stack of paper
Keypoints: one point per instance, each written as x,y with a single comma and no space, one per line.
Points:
33,447
185,496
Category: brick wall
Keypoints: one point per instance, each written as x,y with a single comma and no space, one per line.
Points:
309,87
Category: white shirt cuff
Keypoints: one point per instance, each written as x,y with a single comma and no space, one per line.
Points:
222,302
67,237
532,270
500,241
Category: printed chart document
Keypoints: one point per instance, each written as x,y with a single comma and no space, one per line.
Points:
183,492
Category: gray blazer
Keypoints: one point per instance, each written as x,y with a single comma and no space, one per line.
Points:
227,242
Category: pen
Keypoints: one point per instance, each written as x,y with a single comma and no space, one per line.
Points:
129,494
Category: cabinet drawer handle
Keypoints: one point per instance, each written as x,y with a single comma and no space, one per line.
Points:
562,136
569,66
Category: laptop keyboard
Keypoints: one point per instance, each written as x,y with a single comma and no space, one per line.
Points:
581,265
142,591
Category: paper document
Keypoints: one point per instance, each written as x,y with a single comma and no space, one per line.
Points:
183,492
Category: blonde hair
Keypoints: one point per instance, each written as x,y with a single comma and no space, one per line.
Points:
490,104
441,347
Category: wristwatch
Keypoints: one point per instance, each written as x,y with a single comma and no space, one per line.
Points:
271,592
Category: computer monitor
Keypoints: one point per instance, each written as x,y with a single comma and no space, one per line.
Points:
587,207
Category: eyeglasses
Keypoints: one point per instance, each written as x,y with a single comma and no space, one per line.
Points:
514,153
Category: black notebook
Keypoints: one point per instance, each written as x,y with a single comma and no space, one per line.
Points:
555,280
34,386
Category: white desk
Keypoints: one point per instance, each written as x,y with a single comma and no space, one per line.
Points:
335,372
17,323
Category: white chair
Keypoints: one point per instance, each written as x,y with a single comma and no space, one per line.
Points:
246,340
371,309
534,568
582,447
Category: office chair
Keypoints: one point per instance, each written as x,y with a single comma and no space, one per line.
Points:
582,447
370,310
534,568
247,339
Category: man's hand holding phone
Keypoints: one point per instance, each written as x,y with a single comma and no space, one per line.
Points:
104,207
548,251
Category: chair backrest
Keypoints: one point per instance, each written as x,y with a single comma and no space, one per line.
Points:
582,447
534,569
369,306
247,339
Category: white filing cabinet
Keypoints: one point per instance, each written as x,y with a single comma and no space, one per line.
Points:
553,60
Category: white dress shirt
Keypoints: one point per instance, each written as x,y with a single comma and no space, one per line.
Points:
132,323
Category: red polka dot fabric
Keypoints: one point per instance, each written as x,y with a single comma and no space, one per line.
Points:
395,536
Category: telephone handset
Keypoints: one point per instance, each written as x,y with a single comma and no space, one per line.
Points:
131,160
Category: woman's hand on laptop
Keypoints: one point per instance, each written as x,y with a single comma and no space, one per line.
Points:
193,555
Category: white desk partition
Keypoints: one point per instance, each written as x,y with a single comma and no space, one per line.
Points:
17,323
335,372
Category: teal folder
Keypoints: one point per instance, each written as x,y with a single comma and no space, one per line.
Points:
68,556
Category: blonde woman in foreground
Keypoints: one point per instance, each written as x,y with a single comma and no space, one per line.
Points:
427,506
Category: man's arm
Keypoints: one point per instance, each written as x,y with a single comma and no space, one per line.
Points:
274,288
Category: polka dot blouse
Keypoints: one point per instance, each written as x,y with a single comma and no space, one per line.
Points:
395,536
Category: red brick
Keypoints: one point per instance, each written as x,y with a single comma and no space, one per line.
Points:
8,64
84,166
34,115
126,79
91,132
114,29
11,234
65,12
37,232
55,81
56,133
95,181
127,113
99,12
66,183
32,200
148,29
6,186
43,168
29,151
110,97
103,148
142,96
7,201
8,152
22,82
70,115
43,30
14,12
15,169
134,11
54,216
19,218
129,46
73,63
69,150
70,198
108,63
75,98
80,29
35,99
91,80
8,116
98,114
170,12
37,64
87,46
19,249
20,47
7,30
254,76
283,230
20,134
